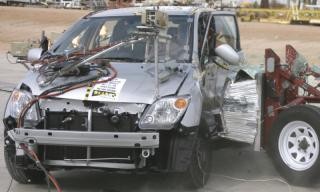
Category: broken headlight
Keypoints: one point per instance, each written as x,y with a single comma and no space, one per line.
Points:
18,100
164,113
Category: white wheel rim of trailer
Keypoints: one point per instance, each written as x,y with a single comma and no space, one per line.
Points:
298,145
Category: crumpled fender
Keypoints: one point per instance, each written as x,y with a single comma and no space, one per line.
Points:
193,114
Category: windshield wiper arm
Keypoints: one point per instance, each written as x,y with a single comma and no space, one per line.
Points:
124,59
69,68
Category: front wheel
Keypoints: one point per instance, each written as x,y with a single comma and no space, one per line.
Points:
294,144
199,169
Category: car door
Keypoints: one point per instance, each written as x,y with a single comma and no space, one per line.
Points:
220,29
214,76
239,115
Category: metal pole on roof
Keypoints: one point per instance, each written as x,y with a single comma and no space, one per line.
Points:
156,66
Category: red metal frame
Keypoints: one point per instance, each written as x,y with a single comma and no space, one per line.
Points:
283,87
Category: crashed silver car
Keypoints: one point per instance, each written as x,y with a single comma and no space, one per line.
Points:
128,89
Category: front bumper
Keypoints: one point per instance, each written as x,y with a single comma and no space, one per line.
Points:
82,138
110,150
146,141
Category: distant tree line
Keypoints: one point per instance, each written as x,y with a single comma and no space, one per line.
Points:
274,3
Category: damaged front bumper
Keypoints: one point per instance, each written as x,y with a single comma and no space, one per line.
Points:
147,142
83,138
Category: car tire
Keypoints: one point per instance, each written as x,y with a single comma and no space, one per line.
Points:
294,144
23,176
199,170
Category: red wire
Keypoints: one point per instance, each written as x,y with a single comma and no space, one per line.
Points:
51,177
33,101
55,182
74,55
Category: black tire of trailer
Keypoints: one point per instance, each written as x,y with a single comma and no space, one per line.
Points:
199,170
23,176
304,113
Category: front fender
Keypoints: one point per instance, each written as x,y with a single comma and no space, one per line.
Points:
193,114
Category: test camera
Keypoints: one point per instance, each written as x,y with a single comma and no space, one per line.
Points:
155,18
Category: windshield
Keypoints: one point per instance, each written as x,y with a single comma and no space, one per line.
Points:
91,33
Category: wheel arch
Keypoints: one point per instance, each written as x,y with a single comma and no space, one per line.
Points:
192,116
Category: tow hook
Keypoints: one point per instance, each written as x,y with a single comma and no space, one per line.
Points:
145,153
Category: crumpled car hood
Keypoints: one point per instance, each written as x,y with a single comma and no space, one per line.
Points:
135,83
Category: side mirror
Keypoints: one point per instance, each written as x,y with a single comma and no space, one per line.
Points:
34,54
228,54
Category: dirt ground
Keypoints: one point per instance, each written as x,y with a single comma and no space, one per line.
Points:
23,23
18,24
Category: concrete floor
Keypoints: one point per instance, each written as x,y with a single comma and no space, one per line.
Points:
233,164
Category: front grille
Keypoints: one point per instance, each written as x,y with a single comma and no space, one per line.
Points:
78,121
64,153
61,153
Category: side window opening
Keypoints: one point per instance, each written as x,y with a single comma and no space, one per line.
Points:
202,26
216,30
226,31
211,38
208,42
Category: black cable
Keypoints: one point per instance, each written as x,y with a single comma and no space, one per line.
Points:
45,172
48,183
39,165
64,86
5,90
10,185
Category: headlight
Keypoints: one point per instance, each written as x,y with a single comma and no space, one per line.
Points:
164,113
18,100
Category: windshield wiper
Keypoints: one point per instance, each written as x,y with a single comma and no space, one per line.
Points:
129,59
183,60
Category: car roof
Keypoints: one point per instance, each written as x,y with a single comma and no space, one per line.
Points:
170,10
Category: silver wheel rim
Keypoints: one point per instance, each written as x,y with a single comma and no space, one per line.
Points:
298,145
